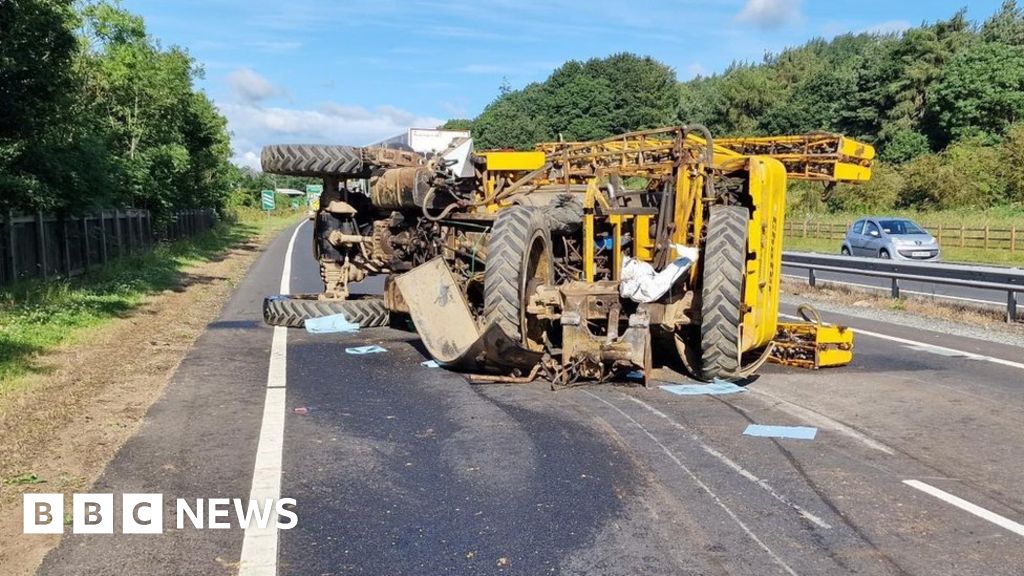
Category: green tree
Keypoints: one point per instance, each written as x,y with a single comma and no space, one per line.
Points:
982,92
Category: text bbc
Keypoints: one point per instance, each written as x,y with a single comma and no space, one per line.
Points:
144,513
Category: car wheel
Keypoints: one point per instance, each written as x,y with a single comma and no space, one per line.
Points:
884,255
844,251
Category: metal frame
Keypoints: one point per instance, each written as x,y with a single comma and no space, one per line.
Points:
1008,280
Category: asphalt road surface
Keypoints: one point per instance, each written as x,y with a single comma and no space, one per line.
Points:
398,468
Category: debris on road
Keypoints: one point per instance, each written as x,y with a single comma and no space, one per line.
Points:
301,410
795,432
718,386
330,324
365,350
430,364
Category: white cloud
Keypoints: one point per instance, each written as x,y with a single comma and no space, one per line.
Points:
769,14
888,27
253,126
251,88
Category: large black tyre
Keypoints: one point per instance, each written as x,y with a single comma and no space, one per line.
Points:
725,255
518,258
312,160
293,310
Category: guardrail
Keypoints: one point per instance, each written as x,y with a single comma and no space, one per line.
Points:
1008,280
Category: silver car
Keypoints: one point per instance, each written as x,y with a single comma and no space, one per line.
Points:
896,238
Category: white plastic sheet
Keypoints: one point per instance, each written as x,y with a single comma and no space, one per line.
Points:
640,282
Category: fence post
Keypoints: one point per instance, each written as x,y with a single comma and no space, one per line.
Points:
1013,239
65,244
117,228
962,235
986,236
12,254
103,237
41,243
85,243
940,233
805,228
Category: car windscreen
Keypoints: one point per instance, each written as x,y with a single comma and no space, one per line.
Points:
901,227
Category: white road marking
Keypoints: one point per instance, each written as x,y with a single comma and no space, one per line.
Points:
707,489
259,547
822,421
1001,521
736,467
902,290
930,348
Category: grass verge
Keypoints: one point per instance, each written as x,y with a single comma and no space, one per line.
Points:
38,316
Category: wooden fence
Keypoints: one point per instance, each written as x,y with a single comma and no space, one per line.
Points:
49,246
950,236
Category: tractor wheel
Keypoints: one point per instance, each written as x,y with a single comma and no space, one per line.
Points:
293,310
312,160
518,260
725,256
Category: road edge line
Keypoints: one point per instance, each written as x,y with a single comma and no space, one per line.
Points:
259,545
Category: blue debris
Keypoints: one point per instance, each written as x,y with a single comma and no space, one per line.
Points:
715,388
635,375
797,432
365,350
329,324
430,364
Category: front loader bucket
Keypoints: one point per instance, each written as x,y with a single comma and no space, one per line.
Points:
449,332
441,315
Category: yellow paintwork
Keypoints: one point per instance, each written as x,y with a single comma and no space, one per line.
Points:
812,345
514,161
764,245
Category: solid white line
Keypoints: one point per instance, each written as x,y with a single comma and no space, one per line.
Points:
902,290
746,530
931,348
1001,521
763,484
259,546
822,421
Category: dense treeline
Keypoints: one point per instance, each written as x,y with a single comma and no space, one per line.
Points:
94,112
942,103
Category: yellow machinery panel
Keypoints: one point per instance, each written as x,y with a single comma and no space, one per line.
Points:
514,161
812,344
764,242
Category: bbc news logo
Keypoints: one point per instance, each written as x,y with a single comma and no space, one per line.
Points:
144,513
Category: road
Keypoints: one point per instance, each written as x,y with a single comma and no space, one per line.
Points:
398,468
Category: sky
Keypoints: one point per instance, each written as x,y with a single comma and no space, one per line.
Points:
357,71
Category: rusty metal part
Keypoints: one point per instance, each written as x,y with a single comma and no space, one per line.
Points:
393,299
589,307
401,188
499,379
339,207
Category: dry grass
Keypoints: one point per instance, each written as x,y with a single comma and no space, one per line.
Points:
965,312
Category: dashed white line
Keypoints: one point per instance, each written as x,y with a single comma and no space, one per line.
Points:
822,421
930,348
707,489
1001,521
763,484
259,546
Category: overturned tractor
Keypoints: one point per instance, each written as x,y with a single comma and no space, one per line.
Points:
575,261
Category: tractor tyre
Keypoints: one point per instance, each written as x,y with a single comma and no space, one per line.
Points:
313,160
518,259
292,311
725,256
